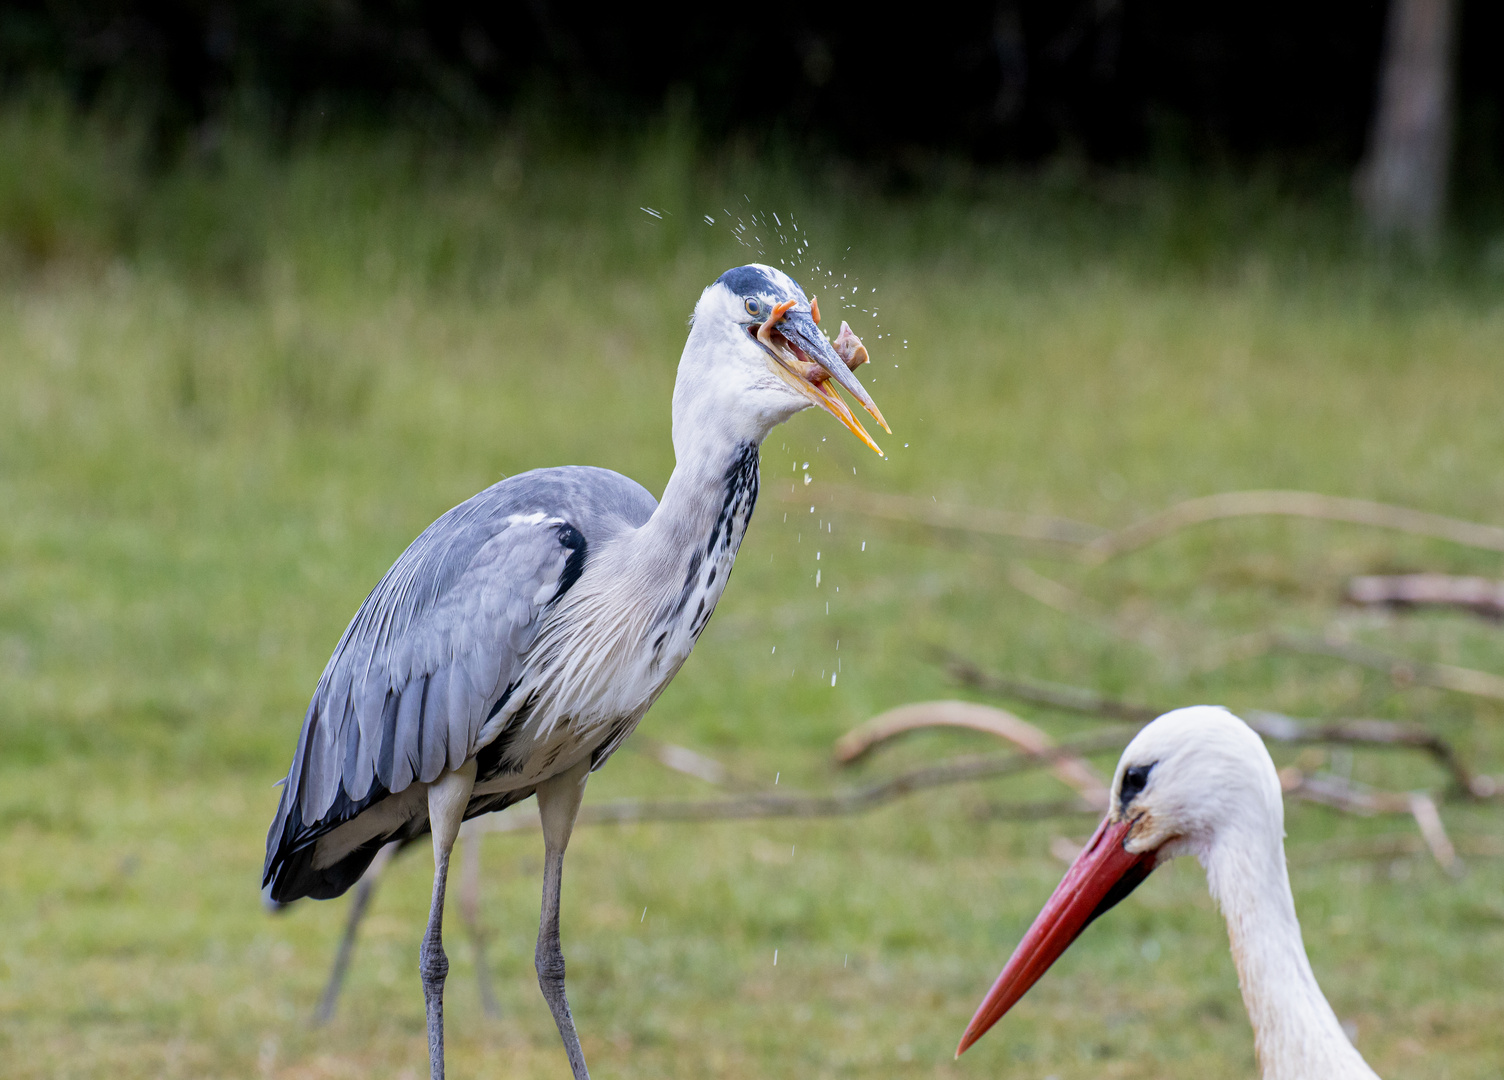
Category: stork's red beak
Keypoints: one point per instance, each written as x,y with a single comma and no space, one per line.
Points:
1102,874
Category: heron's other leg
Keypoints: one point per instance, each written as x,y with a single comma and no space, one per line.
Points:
358,904
470,909
447,798
558,803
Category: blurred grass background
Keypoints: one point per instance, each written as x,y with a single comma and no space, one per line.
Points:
238,383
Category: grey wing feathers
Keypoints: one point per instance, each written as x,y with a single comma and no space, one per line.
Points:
438,642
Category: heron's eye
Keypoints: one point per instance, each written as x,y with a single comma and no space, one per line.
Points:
753,307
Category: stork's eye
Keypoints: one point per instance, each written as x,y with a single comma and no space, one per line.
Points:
753,307
1135,779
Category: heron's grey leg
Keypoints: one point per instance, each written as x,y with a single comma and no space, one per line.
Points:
470,909
558,803
447,798
358,904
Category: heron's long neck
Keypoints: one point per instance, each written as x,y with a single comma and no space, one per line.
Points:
1296,1033
708,493
682,557
703,492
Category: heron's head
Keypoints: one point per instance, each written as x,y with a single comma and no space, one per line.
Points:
1193,781
755,351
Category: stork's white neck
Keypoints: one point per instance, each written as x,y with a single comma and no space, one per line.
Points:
1296,1033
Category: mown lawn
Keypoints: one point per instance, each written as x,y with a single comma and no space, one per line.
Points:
233,390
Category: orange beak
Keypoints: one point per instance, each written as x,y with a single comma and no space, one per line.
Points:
801,356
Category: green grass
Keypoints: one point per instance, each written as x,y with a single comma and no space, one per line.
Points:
236,387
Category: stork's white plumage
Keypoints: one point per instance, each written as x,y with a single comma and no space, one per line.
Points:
1199,782
519,640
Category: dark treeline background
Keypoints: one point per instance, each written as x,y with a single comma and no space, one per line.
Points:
1110,81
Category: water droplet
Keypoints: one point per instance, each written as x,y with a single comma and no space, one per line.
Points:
817,579
775,957
832,679
644,915
709,220
651,212
864,543
776,775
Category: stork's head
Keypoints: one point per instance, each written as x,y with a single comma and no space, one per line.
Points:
755,357
1189,782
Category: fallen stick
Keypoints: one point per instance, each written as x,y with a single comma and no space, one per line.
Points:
1304,504
1428,820
1074,772
1354,798
1055,695
1401,670
1151,632
1096,545
1484,596
851,800
1270,725
1391,846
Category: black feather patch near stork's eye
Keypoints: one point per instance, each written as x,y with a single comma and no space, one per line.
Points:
1135,778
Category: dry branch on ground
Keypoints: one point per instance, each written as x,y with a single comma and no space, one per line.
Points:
1270,725
1097,545
1479,594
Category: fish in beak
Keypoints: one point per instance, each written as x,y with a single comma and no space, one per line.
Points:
1102,875
801,356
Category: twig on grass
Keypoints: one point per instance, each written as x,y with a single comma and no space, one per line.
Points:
1304,504
860,741
1485,596
1054,695
1095,545
1151,631
1391,846
852,800
1401,670
1270,725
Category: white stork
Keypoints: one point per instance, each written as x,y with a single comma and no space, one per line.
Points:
1199,782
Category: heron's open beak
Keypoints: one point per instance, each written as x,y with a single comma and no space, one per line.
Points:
804,359
1102,874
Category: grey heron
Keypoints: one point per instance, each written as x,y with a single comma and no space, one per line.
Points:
1200,782
522,636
